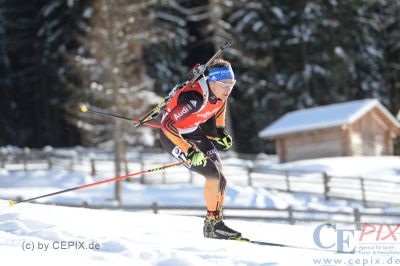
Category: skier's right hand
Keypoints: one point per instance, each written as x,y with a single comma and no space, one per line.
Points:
196,158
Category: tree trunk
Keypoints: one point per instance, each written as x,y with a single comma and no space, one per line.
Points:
118,149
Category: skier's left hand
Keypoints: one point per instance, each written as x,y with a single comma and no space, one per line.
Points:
224,139
196,157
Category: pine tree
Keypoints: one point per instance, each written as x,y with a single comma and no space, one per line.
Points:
296,54
133,48
389,15
35,35
389,21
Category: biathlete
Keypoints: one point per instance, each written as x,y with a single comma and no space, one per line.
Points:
183,134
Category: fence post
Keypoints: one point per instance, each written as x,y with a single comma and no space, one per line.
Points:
142,180
357,218
3,157
79,151
48,151
290,215
71,163
25,154
287,178
249,166
92,164
155,207
191,180
326,178
164,177
126,167
363,194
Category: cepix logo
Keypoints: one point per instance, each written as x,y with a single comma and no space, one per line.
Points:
345,239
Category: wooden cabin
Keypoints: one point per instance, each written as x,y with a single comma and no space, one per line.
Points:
363,127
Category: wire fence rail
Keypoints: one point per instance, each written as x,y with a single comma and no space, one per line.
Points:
250,171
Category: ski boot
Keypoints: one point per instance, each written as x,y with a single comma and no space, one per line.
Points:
214,227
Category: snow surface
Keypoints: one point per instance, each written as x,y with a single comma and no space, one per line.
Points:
32,234
16,184
141,238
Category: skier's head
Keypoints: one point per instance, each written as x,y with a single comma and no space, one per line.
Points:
221,78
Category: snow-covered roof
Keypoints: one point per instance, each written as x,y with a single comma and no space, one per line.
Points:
323,117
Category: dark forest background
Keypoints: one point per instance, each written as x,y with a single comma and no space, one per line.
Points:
122,55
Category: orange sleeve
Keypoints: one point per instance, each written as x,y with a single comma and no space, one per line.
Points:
220,116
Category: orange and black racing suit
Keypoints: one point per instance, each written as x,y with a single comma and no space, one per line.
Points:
183,124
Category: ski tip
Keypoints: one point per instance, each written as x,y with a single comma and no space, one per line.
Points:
11,203
84,108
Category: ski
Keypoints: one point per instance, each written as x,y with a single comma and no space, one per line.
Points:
272,244
262,243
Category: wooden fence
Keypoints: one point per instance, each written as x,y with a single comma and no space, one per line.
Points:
371,192
368,191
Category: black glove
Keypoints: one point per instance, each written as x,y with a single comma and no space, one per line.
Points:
224,139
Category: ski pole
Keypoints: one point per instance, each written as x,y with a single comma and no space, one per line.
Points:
85,109
12,203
